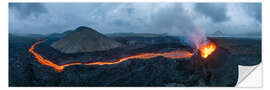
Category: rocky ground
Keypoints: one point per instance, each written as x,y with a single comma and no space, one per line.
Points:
220,69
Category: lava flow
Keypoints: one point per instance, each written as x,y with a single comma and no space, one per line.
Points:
207,49
177,54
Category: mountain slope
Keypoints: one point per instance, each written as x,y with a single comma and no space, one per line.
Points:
84,39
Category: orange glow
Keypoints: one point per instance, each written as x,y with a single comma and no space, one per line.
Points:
177,54
207,49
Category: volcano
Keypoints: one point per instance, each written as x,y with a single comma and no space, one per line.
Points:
84,39
163,63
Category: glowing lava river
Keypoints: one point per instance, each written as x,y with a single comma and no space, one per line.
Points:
205,49
177,54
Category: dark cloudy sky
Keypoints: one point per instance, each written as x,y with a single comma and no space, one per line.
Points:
172,18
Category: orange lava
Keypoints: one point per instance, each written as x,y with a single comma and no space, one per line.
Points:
207,49
177,54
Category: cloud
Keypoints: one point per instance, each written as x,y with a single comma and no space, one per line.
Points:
254,10
27,9
215,11
172,18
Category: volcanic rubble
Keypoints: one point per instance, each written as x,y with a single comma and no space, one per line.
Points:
218,69
159,71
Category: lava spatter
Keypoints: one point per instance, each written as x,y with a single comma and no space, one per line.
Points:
207,49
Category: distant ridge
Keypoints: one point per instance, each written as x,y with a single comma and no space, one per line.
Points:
218,33
84,39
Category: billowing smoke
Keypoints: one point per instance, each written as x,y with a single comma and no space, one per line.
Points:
177,21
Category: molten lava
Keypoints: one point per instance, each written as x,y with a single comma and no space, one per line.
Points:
177,54
207,49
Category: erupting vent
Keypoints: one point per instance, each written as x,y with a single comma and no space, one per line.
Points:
177,54
207,49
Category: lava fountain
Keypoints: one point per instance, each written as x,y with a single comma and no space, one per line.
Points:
199,41
177,54
207,48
